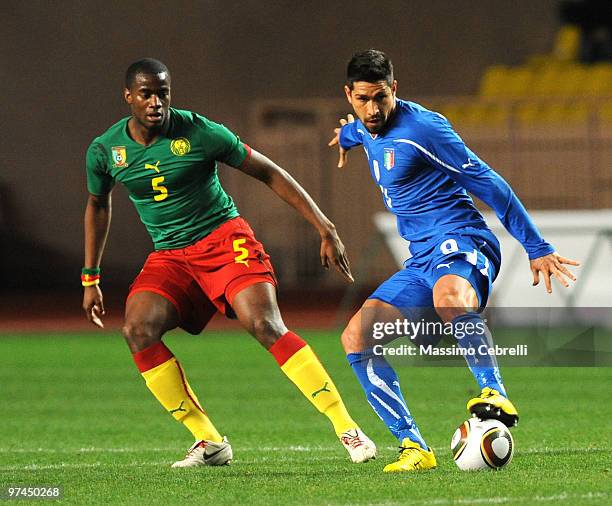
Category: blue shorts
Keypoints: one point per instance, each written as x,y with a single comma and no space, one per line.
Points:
472,253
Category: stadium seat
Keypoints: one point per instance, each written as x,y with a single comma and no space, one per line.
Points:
547,82
493,81
572,81
506,82
485,113
567,43
475,113
528,112
560,113
559,80
519,81
454,112
539,61
556,113
598,82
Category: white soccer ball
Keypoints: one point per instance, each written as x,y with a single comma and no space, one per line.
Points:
482,444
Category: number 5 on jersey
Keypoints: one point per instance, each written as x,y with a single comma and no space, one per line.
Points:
242,253
163,191
156,183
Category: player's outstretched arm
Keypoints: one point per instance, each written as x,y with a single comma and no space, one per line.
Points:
97,223
552,265
336,140
461,164
280,181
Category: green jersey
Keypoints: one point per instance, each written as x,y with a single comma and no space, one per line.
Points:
172,182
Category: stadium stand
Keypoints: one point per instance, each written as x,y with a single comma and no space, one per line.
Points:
545,125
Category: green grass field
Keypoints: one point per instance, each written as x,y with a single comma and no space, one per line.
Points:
76,413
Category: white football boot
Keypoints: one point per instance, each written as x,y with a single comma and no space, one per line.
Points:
207,453
360,447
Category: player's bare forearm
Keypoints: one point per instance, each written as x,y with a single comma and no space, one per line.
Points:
280,182
97,224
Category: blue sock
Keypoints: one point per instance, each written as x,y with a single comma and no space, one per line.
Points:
471,332
382,389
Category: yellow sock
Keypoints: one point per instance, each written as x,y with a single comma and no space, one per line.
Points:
169,385
308,374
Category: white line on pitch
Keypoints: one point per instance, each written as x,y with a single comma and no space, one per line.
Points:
564,496
166,463
298,448
69,465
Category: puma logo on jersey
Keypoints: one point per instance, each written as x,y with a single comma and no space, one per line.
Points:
444,265
153,167
468,164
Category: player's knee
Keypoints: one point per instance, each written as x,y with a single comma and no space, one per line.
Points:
351,340
267,330
450,303
140,334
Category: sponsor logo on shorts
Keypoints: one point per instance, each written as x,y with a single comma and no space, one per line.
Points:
180,146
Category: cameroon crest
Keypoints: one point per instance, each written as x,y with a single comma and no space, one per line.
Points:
119,156
180,146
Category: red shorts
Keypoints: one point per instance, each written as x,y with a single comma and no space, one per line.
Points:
204,277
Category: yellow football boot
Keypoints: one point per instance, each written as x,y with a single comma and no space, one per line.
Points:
412,458
491,404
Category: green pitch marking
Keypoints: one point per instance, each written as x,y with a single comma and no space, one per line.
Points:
77,414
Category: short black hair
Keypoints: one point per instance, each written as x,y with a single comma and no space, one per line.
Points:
147,66
370,66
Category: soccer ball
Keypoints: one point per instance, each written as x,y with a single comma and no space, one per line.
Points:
482,444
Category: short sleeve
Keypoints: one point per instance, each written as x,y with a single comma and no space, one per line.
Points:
99,181
221,143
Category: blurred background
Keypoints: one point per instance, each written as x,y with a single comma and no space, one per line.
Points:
528,85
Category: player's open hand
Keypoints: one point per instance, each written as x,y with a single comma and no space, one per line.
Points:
93,304
336,140
334,253
552,265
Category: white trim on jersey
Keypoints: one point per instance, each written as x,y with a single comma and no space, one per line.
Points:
430,155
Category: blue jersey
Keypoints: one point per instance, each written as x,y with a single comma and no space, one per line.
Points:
425,171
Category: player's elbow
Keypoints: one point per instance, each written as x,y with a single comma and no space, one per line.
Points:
260,167
99,201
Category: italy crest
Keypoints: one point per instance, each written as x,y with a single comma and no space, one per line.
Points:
119,156
389,158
